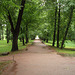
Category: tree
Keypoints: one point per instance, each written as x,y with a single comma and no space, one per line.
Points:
0,30
22,33
15,31
30,18
58,26
8,32
14,27
68,25
55,25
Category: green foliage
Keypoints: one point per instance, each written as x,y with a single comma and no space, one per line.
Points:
39,16
69,48
68,44
65,52
4,47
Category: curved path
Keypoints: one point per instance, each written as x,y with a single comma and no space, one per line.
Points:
39,60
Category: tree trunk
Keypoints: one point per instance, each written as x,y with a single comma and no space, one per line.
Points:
47,41
44,39
68,25
20,40
58,27
27,40
0,34
15,43
23,40
55,26
47,38
7,35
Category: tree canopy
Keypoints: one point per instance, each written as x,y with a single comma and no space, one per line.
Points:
50,19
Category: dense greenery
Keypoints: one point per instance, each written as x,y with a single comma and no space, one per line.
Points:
69,48
60,24
4,47
68,44
24,19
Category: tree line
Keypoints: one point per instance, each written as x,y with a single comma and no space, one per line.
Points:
50,19
59,24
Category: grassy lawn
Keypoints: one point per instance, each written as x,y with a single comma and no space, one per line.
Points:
69,49
68,44
4,47
65,51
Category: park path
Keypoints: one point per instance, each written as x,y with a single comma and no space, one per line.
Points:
40,60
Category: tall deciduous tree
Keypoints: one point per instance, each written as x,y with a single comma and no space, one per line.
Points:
55,25
15,31
58,26
68,25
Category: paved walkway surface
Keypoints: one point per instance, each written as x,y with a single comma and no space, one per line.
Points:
40,60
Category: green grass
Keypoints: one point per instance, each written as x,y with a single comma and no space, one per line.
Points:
68,44
69,49
4,47
65,52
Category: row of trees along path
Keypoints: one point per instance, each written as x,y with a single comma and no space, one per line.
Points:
47,18
40,60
